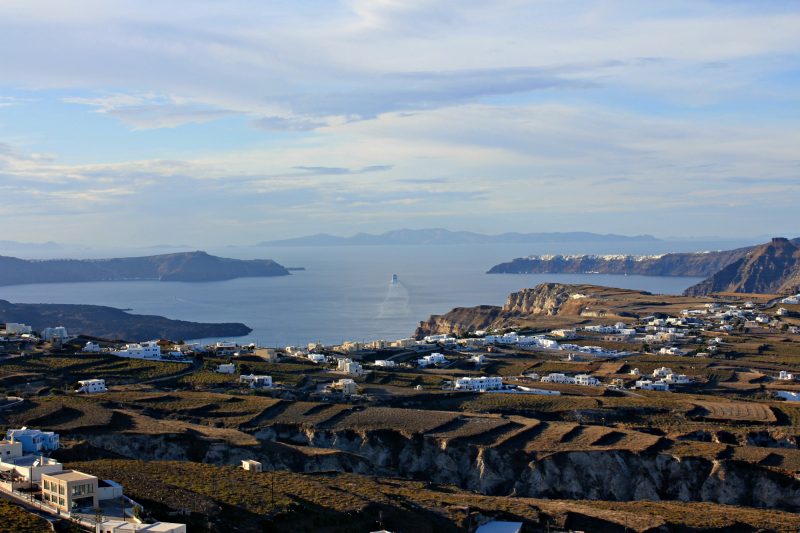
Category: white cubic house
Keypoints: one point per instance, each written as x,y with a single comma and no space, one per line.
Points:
482,383
144,350
91,386
256,382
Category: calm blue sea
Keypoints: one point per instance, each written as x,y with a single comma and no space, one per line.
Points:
345,292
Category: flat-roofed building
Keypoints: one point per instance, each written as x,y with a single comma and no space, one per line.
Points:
34,440
69,490
251,465
10,449
119,526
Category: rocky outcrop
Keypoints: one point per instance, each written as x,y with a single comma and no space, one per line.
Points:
459,321
112,323
546,299
772,268
190,266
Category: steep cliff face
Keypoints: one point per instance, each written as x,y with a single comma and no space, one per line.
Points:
546,299
677,264
772,268
459,321
618,475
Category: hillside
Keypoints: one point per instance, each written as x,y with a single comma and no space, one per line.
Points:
435,236
772,268
189,266
112,323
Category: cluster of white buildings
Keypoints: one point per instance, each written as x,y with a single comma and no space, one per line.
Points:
791,300
24,465
661,380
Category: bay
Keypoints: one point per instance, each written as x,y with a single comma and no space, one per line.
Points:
344,293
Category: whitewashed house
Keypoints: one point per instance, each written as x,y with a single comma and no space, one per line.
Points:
91,347
92,386
256,382
226,368
60,332
385,363
783,375
482,383
432,359
349,366
251,466
144,350
586,380
647,384
316,358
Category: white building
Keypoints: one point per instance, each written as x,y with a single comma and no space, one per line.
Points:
478,359
586,380
120,526
345,386
647,384
316,358
783,375
662,372
48,334
226,368
91,347
677,379
10,449
782,311
479,384
635,372
564,333
251,465
385,363
791,300
555,377
256,382
145,350
349,366
91,386
432,359
14,328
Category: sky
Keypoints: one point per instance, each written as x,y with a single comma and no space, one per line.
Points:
204,122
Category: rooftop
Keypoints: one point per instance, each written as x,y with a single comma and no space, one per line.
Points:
71,475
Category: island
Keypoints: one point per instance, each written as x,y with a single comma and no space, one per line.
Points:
188,267
112,323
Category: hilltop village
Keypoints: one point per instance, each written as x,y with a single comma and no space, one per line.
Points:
567,409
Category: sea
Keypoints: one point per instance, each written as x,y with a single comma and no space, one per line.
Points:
345,293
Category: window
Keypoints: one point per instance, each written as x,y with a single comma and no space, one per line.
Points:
61,501
46,485
61,489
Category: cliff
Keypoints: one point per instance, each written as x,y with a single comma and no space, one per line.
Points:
547,302
675,264
189,266
772,268
509,456
112,323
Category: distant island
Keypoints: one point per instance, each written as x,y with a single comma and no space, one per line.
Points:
188,266
773,267
113,323
433,236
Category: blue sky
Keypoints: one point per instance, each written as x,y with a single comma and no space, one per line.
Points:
211,123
